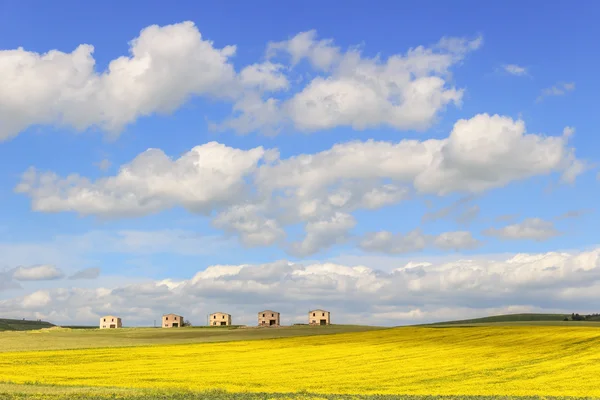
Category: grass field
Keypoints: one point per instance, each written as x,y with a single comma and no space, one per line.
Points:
525,317
496,362
58,338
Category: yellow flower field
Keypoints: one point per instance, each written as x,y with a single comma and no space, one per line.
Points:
502,361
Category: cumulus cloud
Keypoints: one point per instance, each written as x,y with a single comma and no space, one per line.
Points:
206,177
481,153
256,194
529,229
560,89
404,91
416,240
514,69
253,228
37,273
458,240
409,293
87,273
321,234
166,65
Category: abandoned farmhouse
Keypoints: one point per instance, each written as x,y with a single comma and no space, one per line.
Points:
269,318
219,319
319,317
110,322
265,318
172,321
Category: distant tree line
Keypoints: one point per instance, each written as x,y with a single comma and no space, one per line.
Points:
577,317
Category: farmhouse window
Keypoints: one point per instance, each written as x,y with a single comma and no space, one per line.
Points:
313,314
323,314
263,315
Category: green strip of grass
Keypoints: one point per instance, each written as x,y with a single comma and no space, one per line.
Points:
30,392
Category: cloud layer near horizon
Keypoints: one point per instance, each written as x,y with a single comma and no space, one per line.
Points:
410,293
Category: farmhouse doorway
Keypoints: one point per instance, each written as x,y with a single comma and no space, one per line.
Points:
323,322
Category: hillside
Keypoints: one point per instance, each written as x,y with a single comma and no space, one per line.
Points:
22,325
507,318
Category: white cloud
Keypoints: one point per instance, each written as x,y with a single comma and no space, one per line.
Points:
514,69
387,242
253,228
403,92
168,65
409,293
266,77
257,194
320,53
529,229
322,234
205,178
416,240
165,67
481,153
458,240
568,131
86,273
559,89
490,151
37,273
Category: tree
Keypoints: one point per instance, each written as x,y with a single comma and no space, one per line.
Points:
187,323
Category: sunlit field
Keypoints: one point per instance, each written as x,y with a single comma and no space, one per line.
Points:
458,361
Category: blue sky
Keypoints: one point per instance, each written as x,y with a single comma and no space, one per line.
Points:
336,77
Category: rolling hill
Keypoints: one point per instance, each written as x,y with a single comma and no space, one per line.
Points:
507,318
22,325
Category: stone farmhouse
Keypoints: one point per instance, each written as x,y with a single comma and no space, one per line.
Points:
219,319
110,322
172,321
268,318
319,317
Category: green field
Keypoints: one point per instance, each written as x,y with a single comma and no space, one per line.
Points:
516,320
64,338
40,392
507,318
22,325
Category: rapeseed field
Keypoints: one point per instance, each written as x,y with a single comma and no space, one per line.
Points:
484,361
